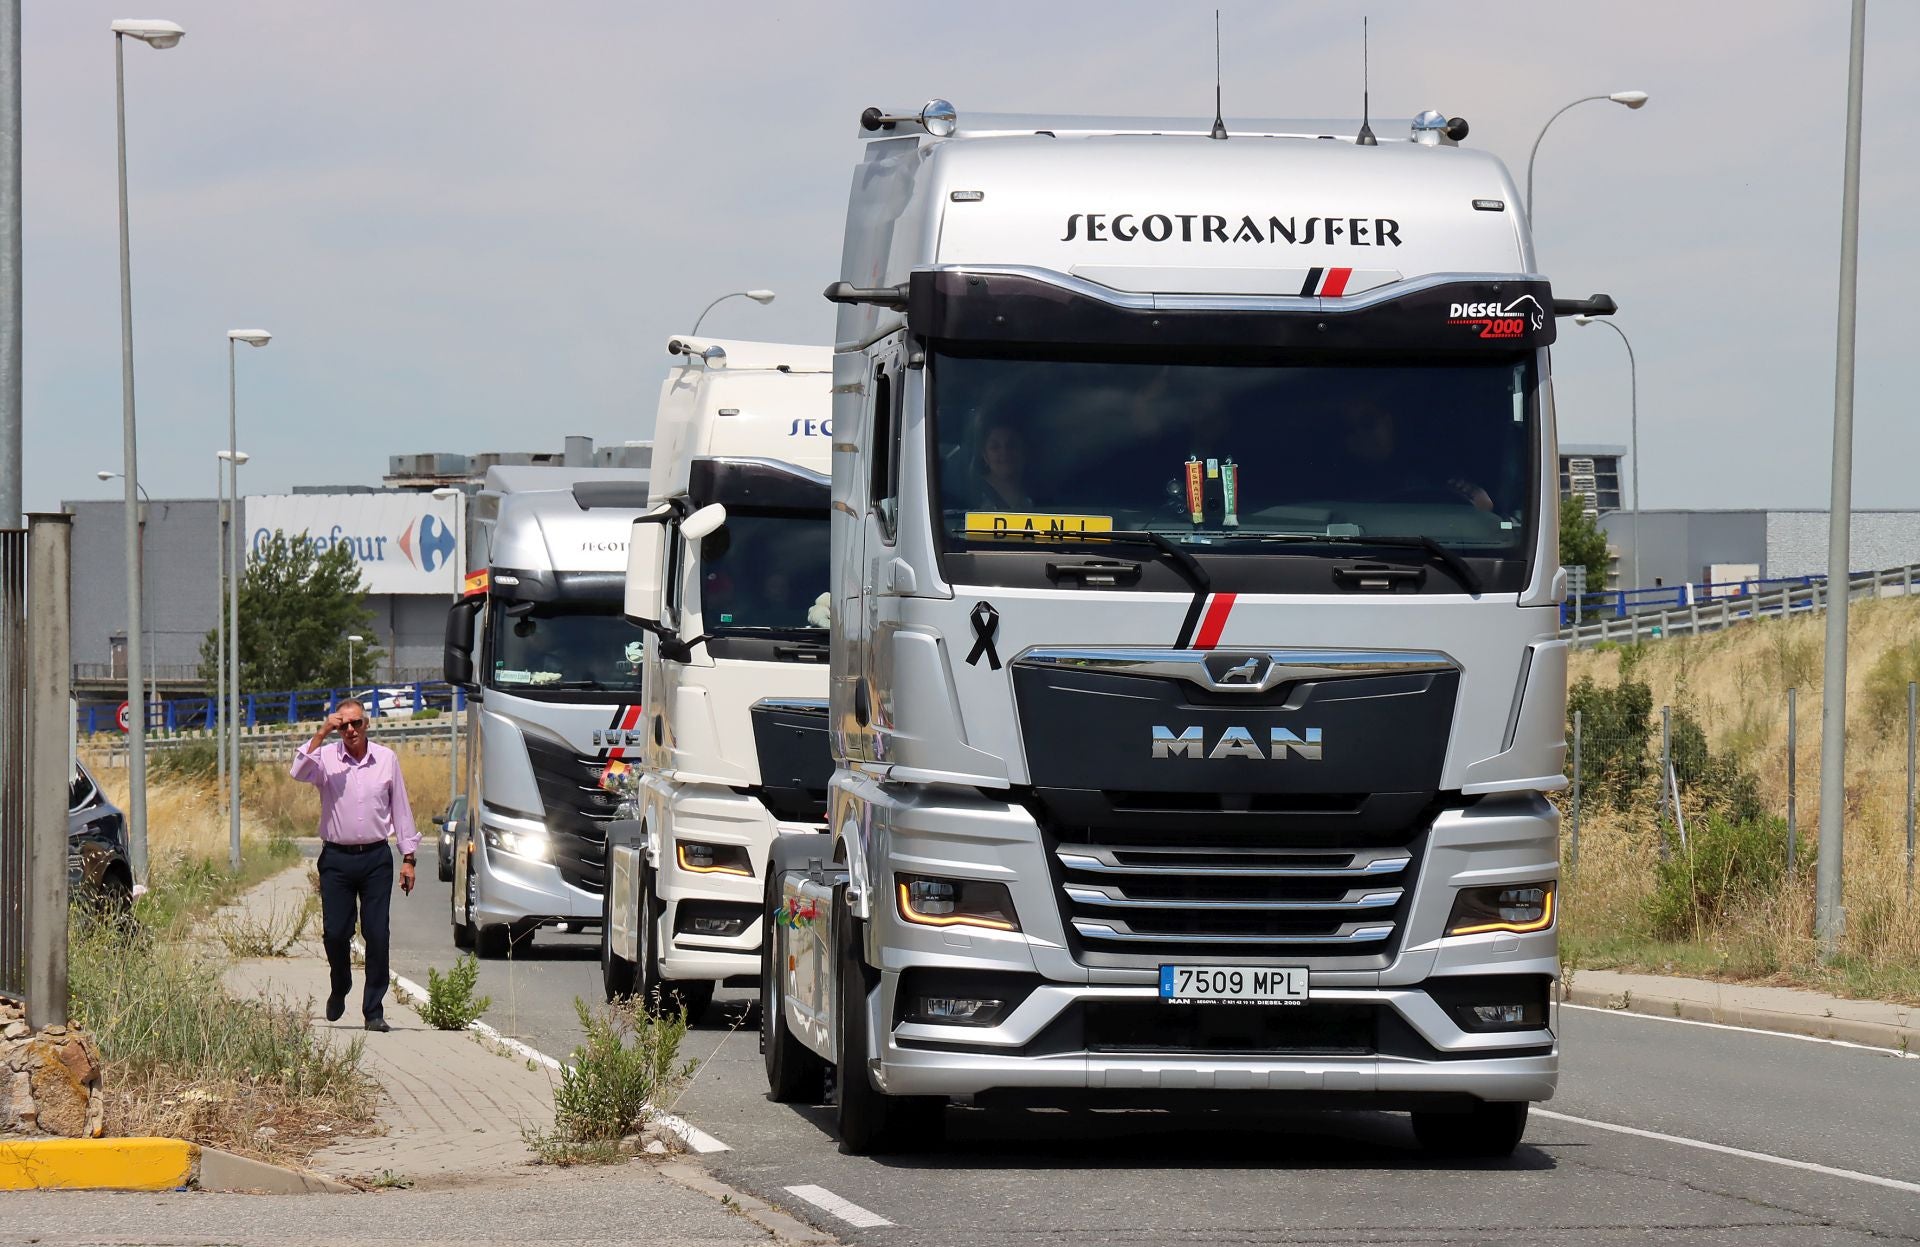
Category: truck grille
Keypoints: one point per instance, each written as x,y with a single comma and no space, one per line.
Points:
1145,903
577,811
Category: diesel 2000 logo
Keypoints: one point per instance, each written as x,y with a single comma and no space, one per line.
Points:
1498,321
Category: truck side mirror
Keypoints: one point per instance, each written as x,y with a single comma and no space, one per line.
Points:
457,663
646,570
704,522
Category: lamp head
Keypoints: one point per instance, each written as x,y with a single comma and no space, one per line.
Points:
150,31
105,475
356,639
446,491
1632,99
252,337
1583,320
237,457
760,296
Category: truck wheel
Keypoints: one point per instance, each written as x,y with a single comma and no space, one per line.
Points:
1489,1131
870,1120
616,972
462,932
492,941
658,996
795,1075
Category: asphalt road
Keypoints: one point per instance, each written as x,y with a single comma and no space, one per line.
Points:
1824,1120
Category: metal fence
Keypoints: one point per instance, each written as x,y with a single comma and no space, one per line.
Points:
1660,776
1697,616
199,715
13,762
279,740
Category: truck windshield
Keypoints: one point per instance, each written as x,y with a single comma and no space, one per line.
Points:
1237,458
765,571
563,647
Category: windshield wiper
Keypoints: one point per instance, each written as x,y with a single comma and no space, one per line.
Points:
585,682
1189,567
1435,552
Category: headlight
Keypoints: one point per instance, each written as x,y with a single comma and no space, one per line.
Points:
1521,909
532,845
930,902
713,859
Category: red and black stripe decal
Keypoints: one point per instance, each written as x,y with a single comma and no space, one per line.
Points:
1206,620
1328,283
624,717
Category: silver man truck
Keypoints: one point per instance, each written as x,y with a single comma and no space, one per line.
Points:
731,738
553,673
1195,688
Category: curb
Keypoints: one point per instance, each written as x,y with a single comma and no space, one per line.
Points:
784,1228
145,1165
1846,1030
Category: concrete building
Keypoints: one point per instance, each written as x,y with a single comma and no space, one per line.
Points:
1682,546
1595,473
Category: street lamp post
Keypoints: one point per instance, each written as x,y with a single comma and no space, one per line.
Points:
146,502
256,338
1632,99
1633,437
224,461
155,34
352,640
762,297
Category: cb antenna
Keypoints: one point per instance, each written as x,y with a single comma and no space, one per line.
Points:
1219,126
1365,137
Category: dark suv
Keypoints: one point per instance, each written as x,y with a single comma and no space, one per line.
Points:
97,869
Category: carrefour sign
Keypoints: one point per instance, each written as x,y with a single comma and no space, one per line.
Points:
404,543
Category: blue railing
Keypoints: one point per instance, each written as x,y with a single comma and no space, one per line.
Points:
1620,603
294,706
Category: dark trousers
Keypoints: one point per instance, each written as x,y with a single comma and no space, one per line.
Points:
363,882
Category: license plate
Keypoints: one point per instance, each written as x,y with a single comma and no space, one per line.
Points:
1233,985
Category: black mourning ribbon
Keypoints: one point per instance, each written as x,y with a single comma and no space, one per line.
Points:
986,622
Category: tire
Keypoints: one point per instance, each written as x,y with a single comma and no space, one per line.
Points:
1489,1131
444,862
466,934
795,1075
462,933
493,941
656,995
616,972
870,1121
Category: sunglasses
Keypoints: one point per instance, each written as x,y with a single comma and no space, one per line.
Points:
353,725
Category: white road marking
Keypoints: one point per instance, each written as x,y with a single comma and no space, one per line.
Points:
679,1127
1751,1030
1849,1174
853,1214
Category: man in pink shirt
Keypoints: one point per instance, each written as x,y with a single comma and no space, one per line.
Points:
363,800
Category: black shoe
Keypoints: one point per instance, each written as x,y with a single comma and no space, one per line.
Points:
378,1024
336,1005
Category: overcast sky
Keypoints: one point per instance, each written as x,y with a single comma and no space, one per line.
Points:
471,226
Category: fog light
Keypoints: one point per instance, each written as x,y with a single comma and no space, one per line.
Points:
715,926
1521,909
1514,1016
956,1010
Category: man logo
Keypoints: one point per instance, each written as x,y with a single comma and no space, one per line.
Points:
1236,742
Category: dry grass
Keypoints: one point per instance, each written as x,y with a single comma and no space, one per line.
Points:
288,807
1735,684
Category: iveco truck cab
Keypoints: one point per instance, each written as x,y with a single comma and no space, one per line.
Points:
553,673
1196,681
731,740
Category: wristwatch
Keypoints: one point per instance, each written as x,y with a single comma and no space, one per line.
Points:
407,858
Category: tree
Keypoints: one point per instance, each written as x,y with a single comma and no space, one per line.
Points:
1582,542
297,609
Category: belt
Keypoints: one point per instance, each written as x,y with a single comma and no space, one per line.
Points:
354,848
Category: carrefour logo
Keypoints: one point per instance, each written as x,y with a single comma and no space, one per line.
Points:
426,543
432,547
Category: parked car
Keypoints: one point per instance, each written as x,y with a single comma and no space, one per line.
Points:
449,821
98,872
397,700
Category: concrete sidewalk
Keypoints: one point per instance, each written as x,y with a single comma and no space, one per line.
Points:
450,1115
1795,1012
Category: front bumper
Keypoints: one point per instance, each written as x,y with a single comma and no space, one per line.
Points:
509,889
1416,1047
715,817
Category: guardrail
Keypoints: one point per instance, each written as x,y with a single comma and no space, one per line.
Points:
1697,617
189,714
280,740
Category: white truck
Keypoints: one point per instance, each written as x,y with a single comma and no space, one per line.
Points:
1196,679
731,739
550,666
